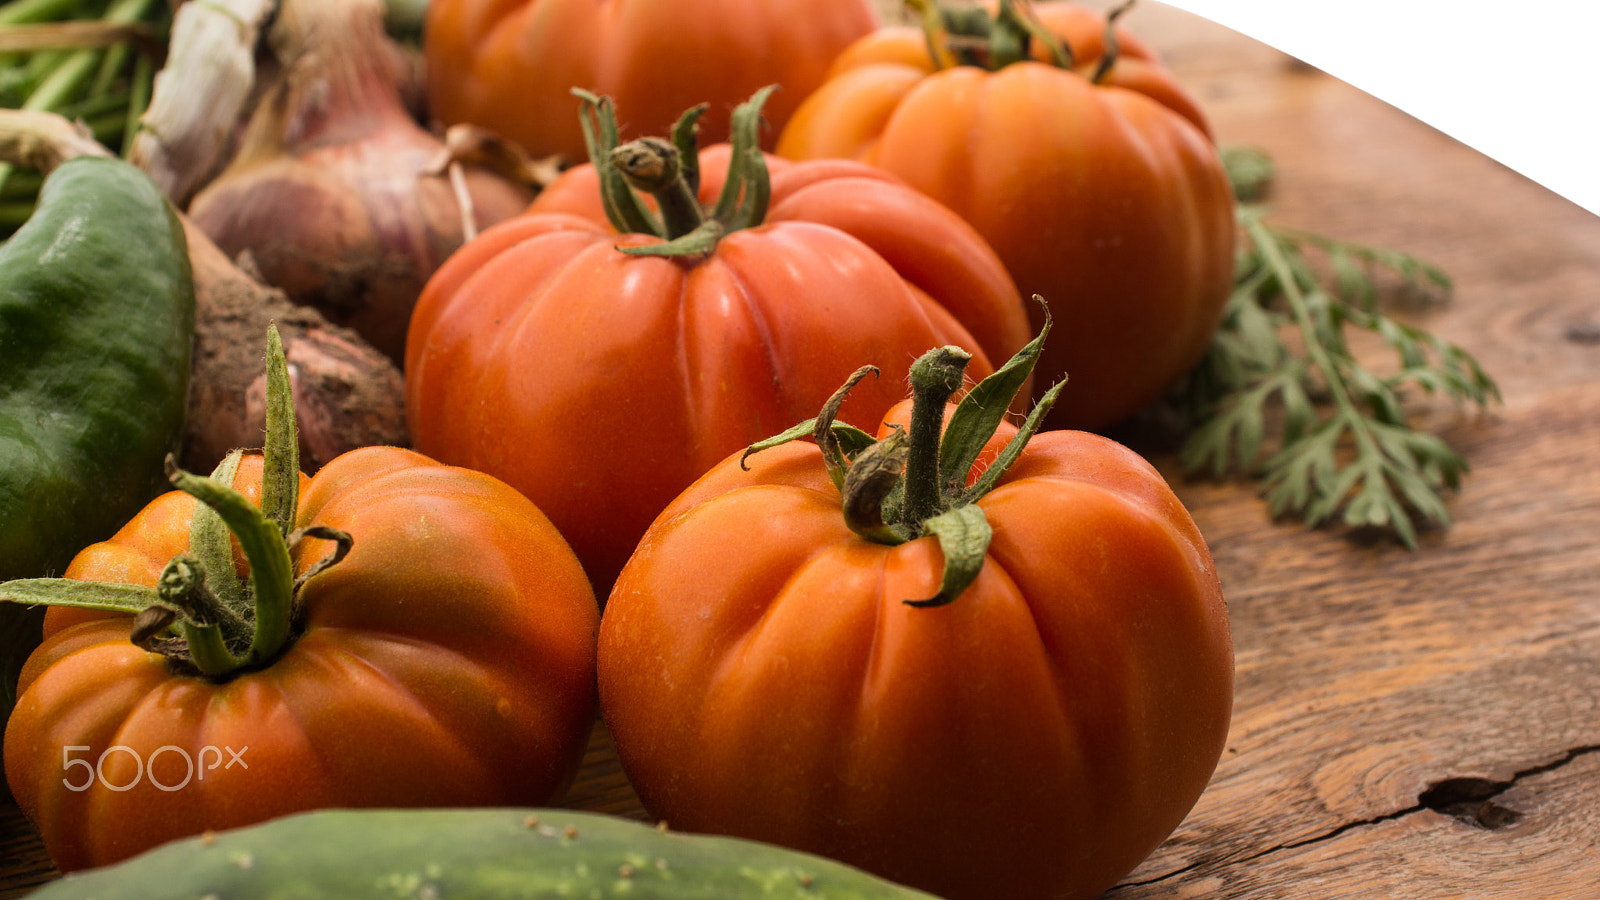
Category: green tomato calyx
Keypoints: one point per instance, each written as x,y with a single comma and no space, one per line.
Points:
201,615
964,35
668,172
914,482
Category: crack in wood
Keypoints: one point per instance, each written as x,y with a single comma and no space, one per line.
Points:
1459,797
1470,800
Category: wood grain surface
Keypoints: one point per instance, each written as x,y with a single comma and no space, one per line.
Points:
1407,724
1367,674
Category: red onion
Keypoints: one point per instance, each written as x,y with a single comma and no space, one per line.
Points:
332,192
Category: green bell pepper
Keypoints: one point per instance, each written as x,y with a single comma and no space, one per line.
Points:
96,338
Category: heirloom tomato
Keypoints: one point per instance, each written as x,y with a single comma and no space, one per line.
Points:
600,374
421,637
1089,169
508,65
977,671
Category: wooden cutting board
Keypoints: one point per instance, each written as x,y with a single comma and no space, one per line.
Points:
1407,724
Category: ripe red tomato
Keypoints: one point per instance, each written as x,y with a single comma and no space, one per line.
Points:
509,65
601,384
447,660
1105,195
1035,737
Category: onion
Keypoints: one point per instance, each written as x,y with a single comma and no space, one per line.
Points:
346,394
334,191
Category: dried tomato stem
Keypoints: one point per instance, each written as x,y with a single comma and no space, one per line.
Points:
183,584
1113,46
871,478
935,378
654,166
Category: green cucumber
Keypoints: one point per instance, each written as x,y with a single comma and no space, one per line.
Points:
483,854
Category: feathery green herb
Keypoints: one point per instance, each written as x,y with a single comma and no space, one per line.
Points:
1279,395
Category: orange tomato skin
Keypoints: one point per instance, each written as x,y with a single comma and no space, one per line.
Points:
1036,738
1109,199
510,65
601,385
448,660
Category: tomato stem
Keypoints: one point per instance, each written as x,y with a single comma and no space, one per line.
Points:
669,171
935,378
1113,46
262,531
912,484
623,207
271,571
280,452
932,27
971,36
1008,37
211,542
822,431
263,534
871,478
685,138
183,585
652,165
748,188
120,598
186,584
229,629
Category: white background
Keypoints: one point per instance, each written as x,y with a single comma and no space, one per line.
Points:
1519,82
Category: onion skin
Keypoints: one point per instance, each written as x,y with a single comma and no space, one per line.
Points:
344,396
346,393
331,191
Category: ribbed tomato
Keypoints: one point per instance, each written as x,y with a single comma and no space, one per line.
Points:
601,383
1094,178
509,65
447,660
1016,686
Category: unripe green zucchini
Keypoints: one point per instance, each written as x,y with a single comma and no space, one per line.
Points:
483,854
